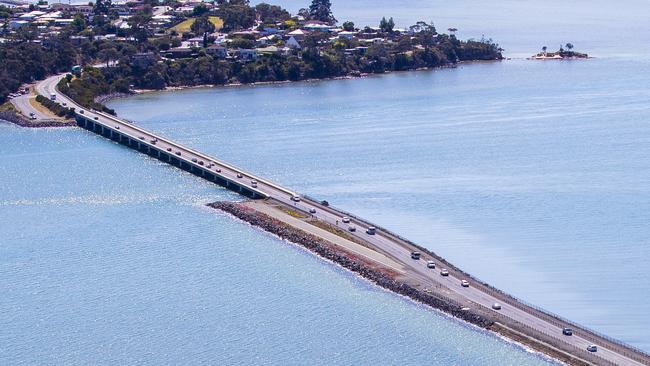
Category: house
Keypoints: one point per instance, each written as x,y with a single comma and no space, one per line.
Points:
244,54
143,59
298,34
267,40
348,35
180,52
292,43
217,51
315,25
271,50
15,24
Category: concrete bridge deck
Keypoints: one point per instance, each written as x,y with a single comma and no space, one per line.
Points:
384,242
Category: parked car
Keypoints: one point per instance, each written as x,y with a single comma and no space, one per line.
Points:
431,264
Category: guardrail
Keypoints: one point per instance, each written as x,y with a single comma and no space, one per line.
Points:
197,153
627,350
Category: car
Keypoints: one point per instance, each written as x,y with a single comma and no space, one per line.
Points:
254,183
239,175
178,153
117,127
431,264
81,111
33,117
324,203
312,210
352,229
95,118
496,306
201,162
464,283
371,230
567,331
218,170
64,104
592,348
415,255
31,114
194,160
142,138
295,199
346,220
444,272
169,149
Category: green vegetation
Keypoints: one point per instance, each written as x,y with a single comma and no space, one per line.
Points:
55,107
141,56
565,51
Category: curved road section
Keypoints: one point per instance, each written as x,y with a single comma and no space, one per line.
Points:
476,295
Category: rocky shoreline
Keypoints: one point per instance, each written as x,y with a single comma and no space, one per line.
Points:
325,250
21,121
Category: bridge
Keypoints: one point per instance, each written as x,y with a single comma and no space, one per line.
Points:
529,321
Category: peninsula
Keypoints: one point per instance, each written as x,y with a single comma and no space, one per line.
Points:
154,45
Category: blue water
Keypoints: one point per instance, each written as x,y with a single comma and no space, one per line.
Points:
541,190
110,257
531,175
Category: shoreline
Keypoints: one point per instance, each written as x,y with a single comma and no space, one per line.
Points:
392,281
109,97
18,120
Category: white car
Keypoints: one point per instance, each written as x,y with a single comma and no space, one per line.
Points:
431,264
592,348
346,220
464,283
444,273
496,306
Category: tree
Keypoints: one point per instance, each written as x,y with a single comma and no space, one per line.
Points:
544,49
452,30
202,25
387,26
200,10
321,10
348,26
569,46
271,13
107,55
236,16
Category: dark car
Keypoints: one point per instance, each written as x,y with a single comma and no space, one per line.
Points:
567,331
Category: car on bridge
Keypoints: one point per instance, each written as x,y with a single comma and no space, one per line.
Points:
352,229
567,331
464,283
592,348
444,273
431,264
346,220
371,230
496,306
416,255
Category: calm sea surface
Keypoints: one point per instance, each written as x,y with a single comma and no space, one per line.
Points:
534,176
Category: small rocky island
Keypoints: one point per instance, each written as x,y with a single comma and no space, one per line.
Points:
565,52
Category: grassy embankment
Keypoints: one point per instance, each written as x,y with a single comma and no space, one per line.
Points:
186,25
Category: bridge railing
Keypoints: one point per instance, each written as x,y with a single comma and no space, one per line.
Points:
557,320
198,153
